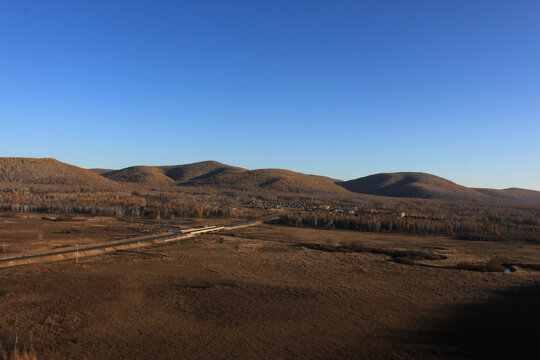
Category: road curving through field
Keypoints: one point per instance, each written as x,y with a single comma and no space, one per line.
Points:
75,252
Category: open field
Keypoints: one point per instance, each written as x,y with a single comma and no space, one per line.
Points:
146,238
34,231
268,292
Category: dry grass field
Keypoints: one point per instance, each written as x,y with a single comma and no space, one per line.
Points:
269,292
33,231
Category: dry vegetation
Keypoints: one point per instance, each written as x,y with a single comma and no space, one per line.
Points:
465,221
14,353
413,185
210,189
273,181
312,290
15,345
422,185
29,171
261,294
214,175
168,174
147,203
429,217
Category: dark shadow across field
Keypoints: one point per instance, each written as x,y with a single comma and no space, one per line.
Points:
506,327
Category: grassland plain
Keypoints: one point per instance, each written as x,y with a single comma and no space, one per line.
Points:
260,293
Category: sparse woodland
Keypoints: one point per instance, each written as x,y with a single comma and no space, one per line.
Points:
142,203
470,221
464,221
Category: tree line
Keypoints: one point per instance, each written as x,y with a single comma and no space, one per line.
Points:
147,204
517,224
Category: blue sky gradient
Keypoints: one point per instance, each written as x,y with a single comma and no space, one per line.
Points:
337,88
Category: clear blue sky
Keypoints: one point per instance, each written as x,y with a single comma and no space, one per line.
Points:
338,88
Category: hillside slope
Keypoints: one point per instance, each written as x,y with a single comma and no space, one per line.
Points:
167,174
140,175
213,174
182,173
412,185
523,196
271,180
100,171
48,171
276,182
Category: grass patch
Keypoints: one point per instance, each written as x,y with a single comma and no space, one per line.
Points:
481,267
399,256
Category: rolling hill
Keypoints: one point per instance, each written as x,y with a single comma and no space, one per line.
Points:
182,173
168,174
213,174
427,186
139,175
272,180
278,182
412,185
100,171
513,194
48,171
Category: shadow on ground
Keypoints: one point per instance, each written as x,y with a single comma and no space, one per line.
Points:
507,327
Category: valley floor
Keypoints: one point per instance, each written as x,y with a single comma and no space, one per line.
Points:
258,294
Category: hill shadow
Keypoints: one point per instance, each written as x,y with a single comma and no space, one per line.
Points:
506,327
217,172
401,185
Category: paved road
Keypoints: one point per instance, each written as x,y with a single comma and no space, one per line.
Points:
94,249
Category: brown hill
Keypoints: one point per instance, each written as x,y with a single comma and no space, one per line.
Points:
48,171
271,180
213,174
412,185
100,171
513,194
167,174
422,185
182,173
140,175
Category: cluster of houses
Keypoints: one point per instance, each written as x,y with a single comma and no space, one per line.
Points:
332,209
302,206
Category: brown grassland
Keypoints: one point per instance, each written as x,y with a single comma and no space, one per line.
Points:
270,292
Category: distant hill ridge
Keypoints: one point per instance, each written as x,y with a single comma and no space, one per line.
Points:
167,174
412,184
401,184
48,171
513,194
427,186
214,174
277,180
